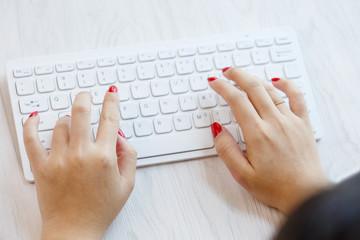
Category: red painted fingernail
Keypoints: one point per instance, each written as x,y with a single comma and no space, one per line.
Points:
275,79
121,133
216,129
113,89
225,69
68,116
210,79
34,114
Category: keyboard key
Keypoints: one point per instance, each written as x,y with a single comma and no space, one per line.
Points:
264,42
185,66
198,83
126,74
245,44
45,138
59,101
224,47
45,84
167,54
241,59
275,71
160,88
147,56
282,54
187,51
182,122
127,59
142,128
188,103
129,111
221,101
47,121
165,69
98,95
126,128
124,94
258,72
106,62
65,67
25,87
86,79
168,105
198,139
31,104
206,49
106,77
22,72
44,69
149,108
260,57
66,82
223,60
292,70
207,100
241,135
140,90
233,132
85,64
221,116
283,39
204,63
201,119
94,116
145,71
179,85
162,125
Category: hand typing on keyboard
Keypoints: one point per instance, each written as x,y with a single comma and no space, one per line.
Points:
282,166
81,184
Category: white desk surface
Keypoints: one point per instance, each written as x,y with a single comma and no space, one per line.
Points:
195,199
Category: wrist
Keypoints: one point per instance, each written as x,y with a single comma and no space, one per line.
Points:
69,231
300,194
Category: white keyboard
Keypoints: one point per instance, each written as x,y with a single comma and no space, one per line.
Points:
166,105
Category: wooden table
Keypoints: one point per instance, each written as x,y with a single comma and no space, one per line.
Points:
195,199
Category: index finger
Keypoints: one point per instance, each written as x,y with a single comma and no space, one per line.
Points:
253,87
242,109
109,119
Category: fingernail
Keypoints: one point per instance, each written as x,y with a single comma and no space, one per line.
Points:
216,129
68,116
121,133
210,79
225,69
275,79
34,114
113,89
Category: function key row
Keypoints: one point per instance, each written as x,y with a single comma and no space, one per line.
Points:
152,56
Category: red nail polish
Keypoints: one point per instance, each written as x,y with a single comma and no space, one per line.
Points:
113,89
121,133
225,69
216,129
68,116
34,114
275,79
210,79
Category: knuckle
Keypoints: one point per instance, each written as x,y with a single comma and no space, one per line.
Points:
80,108
111,99
254,83
110,116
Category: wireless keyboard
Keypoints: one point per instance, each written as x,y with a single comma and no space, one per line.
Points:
166,105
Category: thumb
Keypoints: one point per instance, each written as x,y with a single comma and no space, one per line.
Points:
127,157
228,150
35,151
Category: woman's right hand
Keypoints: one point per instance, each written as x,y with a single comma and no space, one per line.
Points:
282,166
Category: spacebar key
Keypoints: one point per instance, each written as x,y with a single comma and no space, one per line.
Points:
173,143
